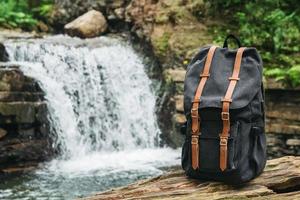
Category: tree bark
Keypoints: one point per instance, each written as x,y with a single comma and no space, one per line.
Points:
280,180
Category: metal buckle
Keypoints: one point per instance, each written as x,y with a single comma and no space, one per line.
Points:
223,141
195,139
225,115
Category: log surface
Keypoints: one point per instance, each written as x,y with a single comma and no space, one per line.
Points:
280,180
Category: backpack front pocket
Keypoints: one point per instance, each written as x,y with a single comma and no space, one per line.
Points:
209,147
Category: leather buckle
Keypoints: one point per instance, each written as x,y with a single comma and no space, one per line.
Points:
223,141
196,101
234,78
194,113
195,139
204,75
225,115
226,100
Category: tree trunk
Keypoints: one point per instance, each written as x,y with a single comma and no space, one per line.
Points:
280,180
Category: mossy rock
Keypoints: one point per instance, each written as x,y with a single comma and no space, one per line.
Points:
186,41
161,44
177,33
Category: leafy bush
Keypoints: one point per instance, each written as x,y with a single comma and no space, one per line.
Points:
16,13
290,76
273,26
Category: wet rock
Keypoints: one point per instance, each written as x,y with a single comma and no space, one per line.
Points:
41,113
89,25
23,114
165,110
18,169
179,103
26,133
13,79
276,182
16,151
3,53
6,96
3,133
293,142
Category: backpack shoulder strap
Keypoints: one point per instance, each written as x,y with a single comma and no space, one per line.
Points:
225,108
195,106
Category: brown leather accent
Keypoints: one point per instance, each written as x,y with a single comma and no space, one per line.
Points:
225,108
195,106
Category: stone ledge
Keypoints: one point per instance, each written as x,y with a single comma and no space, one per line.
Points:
16,152
179,103
13,79
175,75
272,84
6,96
22,112
280,180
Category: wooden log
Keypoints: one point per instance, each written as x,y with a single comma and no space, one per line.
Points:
280,180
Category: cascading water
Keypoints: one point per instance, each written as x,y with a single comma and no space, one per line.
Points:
102,109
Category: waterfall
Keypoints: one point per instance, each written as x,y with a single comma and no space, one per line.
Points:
99,98
102,110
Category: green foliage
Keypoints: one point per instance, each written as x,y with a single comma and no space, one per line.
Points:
19,13
290,76
162,43
273,26
44,9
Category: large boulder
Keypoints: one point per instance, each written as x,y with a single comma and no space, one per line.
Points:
89,25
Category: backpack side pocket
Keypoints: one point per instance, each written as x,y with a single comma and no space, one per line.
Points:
258,154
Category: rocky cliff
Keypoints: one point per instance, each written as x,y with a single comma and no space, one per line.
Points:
24,127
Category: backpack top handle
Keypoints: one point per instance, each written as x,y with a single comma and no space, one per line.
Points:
230,36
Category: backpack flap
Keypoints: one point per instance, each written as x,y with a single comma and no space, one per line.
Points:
221,69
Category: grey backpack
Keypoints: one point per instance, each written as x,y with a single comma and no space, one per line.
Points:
224,107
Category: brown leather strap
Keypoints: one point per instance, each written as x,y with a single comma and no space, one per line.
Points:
195,106
225,108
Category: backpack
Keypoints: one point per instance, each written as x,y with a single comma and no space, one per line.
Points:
224,107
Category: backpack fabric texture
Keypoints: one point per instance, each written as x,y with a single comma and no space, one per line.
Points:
206,154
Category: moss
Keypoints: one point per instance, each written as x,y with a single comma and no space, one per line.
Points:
178,33
185,42
161,17
179,88
161,44
197,8
174,12
167,78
